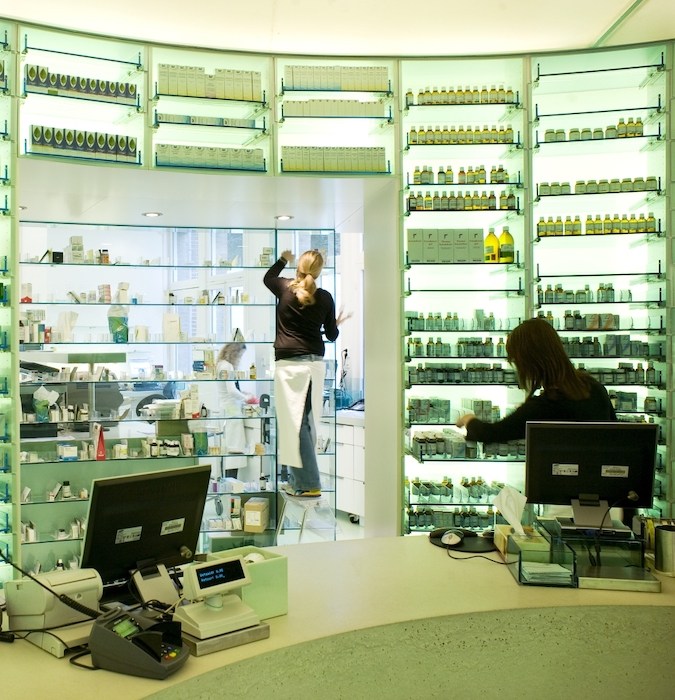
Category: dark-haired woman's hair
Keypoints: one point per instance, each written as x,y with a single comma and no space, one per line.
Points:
536,351
310,265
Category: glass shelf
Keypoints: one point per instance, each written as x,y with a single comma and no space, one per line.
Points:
510,145
137,65
143,305
650,276
60,500
221,168
119,346
646,303
159,121
657,108
644,193
258,104
614,145
655,234
516,211
72,155
157,460
660,67
152,266
65,540
284,90
516,184
143,382
512,385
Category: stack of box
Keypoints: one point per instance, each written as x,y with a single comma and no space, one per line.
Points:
74,251
333,159
74,142
339,78
223,84
104,295
332,108
210,157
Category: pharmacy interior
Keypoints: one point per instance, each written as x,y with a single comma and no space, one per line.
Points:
451,197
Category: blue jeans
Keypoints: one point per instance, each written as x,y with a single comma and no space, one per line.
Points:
307,478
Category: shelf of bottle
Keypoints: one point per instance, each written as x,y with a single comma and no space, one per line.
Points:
133,104
512,265
653,358
637,412
219,455
650,276
68,155
656,234
148,418
657,108
516,184
414,358
258,104
388,92
512,145
120,346
511,385
645,385
601,72
486,210
141,305
646,192
509,292
647,331
613,144
472,460
513,104
142,382
486,331
647,304
137,64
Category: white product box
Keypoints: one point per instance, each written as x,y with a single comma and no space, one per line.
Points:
247,87
446,245
461,245
163,78
181,80
415,245
200,82
476,244
430,253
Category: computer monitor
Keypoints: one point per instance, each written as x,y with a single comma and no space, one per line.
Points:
139,522
592,466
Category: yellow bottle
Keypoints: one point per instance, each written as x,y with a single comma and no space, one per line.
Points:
491,247
506,250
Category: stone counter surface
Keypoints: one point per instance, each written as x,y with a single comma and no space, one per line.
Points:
351,586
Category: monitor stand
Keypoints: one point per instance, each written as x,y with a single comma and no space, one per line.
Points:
590,512
216,615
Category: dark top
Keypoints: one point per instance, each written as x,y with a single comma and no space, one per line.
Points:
596,407
300,328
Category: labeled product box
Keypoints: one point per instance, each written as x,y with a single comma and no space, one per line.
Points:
415,245
461,245
267,593
256,514
476,244
446,241
430,252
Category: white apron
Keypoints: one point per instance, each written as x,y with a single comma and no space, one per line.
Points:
291,382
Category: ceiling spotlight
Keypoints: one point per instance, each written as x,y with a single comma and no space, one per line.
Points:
283,217
152,214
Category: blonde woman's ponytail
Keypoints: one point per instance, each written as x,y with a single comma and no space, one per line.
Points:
309,268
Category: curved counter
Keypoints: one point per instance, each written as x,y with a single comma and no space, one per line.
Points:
351,586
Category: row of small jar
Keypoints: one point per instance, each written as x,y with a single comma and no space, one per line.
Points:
613,346
452,136
467,519
627,184
465,347
434,321
474,490
600,225
461,96
456,373
458,201
623,129
424,175
625,373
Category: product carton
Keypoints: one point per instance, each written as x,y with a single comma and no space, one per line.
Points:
256,514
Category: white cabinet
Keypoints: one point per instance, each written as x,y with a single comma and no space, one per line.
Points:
350,462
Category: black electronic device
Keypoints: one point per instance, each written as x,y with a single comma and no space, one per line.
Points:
138,522
130,643
462,540
591,466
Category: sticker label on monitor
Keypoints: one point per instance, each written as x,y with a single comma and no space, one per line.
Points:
558,469
170,527
128,534
619,471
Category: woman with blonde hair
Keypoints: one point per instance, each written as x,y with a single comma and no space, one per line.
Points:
305,314
555,390
231,398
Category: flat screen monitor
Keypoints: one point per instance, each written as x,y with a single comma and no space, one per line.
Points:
590,465
141,521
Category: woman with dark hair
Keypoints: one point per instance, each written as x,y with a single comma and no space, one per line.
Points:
555,389
305,313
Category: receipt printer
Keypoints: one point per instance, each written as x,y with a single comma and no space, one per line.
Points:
131,643
31,607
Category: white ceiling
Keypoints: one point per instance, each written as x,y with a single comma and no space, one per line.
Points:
363,27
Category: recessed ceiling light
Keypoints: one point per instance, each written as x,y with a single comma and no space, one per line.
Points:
283,217
152,214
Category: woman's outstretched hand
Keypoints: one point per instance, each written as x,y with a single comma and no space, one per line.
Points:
288,256
341,317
